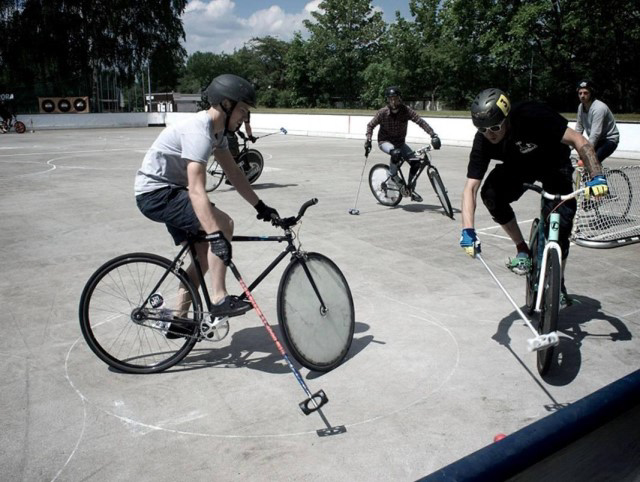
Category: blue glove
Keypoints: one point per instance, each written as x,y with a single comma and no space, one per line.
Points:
597,186
470,242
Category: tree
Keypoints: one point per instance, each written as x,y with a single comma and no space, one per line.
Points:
345,37
60,48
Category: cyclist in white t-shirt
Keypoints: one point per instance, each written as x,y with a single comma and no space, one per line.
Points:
170,185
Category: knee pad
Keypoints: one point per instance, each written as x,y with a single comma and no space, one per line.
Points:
501,212
396,155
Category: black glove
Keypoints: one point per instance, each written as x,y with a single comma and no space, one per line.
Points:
367,147
435,141
220,246
253,138
266,213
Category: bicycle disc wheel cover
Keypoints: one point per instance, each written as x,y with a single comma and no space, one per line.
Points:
318,339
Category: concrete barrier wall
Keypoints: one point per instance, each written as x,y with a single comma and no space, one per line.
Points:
452,131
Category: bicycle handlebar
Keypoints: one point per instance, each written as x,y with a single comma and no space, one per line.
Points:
286,223
422,150
552,197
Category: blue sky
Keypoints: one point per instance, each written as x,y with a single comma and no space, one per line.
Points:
224,25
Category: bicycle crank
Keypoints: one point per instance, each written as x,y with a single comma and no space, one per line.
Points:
215,330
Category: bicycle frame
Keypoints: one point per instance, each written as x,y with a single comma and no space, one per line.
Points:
422,156
549,244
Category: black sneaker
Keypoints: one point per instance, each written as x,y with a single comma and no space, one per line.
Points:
231,306
416,197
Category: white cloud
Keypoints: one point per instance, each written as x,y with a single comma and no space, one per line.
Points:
214,26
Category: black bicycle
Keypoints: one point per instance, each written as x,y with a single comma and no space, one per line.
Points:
389,190
13,123
250,161
129,305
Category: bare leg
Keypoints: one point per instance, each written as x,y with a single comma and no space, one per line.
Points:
513,230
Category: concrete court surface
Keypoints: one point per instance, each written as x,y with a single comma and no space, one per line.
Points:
438,364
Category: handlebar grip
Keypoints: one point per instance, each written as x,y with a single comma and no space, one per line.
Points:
533,187
306,205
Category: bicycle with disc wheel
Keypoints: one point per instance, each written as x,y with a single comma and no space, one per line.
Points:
132,304
389,190
249,160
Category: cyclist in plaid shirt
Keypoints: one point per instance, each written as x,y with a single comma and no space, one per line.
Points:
393,120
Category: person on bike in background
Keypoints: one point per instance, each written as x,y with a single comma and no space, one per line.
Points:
170,185
393,120
6,115
532,141
232,137
595,117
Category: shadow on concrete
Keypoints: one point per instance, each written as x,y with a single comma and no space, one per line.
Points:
567,358
252,348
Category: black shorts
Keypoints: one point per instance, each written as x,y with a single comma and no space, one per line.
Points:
171,206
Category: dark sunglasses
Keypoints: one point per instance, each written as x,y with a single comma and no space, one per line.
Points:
495,128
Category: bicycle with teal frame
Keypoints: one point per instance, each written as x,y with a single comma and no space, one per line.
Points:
544,280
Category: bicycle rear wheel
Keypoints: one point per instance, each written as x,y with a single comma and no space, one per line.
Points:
124,326
253,163
215,174
19,127
441,191
532,275
318,337
550,308
384,190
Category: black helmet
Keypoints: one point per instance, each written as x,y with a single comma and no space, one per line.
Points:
489,108
587,84
232,87
390,91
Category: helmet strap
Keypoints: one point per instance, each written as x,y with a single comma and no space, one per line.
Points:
228,113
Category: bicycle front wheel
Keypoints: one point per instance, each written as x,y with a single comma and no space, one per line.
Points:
441,191
532,275
19,127
315,311
215,174
253,164
550,307
386,191
126,310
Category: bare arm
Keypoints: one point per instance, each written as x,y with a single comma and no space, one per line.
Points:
584,149
236,176
247,129
469,199
196,174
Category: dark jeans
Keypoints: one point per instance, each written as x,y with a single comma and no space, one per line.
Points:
604,148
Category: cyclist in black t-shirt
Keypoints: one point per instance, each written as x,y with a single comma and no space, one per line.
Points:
532,141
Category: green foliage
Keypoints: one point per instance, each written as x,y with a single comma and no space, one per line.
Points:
443,54
61,48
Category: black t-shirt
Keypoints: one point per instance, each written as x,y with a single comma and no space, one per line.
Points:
532,145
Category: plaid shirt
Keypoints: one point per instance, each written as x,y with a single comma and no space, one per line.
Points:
393,127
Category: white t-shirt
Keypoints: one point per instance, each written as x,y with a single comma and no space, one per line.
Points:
165,163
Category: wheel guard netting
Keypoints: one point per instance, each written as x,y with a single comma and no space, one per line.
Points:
613,220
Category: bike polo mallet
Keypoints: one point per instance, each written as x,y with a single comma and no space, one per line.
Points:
539,341
281,131
314,400
354,210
